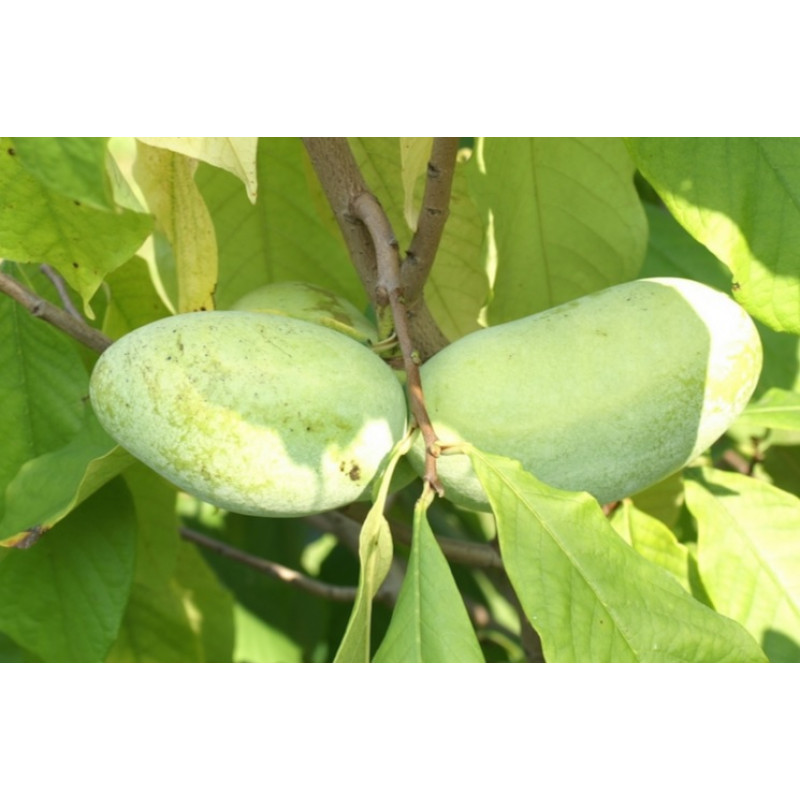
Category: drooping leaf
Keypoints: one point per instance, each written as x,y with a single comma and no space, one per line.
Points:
590,596
430,622
280,238
235,154
740,197
167,180
74,166
748,551
458,286
63,598
565,218
39,225
375,558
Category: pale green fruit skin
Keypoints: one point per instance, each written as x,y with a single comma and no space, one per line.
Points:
260,414
311,303
607,394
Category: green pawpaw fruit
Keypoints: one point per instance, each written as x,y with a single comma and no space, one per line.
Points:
311,303
261,414
607,394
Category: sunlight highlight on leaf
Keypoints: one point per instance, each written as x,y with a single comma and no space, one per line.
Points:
414,155
748,551
740,197
577,580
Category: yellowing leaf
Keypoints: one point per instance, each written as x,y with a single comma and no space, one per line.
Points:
167,180
235,154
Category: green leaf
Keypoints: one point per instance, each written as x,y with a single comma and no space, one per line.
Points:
375,557
177,611
414,154
54,452
654,540
167,180
430,623
133,299
259,643
42,389
63,598
40,225
280,238
236,154
740,197
589,595
74,166
673,252
565,216
777,408
748,551
458,286
49,487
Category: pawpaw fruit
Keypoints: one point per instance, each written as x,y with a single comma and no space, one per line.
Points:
606,394
312,303
261,414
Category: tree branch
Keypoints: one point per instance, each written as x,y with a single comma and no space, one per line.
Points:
327,591
370,212
433,216
342,183
63,320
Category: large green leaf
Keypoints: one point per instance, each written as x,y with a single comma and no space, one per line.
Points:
54,452
740,197
458,286
177,611
40,225
748,551
63,598
672,251
430,622
48,487
589,595
74,166
565,217
280,238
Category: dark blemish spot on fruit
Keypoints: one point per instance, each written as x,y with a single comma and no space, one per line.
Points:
77,202
75,264
12,151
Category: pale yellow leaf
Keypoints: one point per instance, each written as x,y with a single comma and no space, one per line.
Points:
235,154
167,181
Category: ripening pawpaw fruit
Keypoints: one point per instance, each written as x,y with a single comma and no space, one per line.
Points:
261,414
607,394
311,303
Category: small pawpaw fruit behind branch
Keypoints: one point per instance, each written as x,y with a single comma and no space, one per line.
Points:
607,394
257,413
311,303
